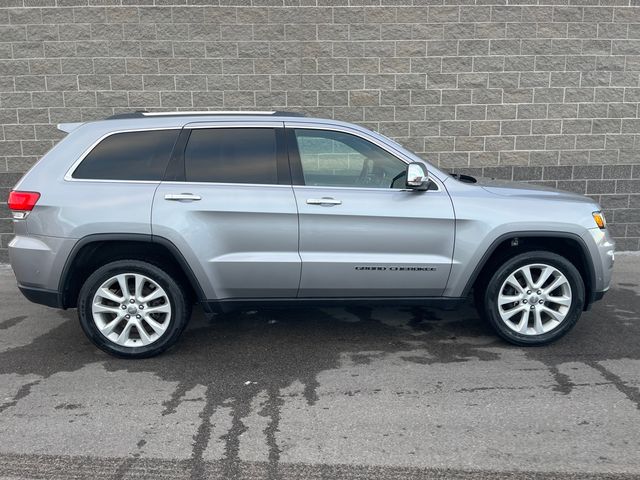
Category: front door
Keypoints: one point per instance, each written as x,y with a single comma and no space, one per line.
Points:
229,207
362,233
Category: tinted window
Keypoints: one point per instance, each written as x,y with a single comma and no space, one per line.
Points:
129,156
343,160
231,155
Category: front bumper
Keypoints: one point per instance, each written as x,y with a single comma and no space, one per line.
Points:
603,260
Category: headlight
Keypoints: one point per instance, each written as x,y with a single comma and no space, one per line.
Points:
600,221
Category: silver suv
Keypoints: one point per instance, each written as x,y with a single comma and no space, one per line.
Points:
135,218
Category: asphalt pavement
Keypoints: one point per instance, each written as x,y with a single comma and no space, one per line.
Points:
356,393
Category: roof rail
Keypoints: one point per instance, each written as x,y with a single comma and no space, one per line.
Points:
144,113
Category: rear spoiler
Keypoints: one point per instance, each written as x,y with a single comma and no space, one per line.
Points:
69,127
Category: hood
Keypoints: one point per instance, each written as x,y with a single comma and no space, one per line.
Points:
508,189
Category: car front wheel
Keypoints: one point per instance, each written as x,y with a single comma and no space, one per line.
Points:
534,298
132,309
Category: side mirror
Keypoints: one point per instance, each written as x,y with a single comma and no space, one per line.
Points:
417,176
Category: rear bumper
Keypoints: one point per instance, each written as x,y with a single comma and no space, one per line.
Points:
37,262
50,298
597,296
592,297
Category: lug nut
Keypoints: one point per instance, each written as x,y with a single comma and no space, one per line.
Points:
141,307
138,316
132,301
541,302
528,292
532,307
124,307
539,292
127,317
524,301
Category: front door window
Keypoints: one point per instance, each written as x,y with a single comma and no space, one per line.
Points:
337,159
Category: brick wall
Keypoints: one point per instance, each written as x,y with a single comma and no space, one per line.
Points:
543,92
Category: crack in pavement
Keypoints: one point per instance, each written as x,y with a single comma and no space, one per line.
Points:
22,392
11,322
629,391
563,385
272,409
203,435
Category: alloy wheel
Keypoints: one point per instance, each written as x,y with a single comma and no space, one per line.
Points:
131,310
534,299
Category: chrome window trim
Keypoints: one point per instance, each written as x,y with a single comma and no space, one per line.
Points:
351,131
369,189
226,184
68,177
227,124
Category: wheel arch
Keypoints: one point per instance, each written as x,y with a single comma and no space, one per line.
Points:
94,250
569,245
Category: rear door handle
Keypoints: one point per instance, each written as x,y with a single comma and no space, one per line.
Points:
182,197
323,201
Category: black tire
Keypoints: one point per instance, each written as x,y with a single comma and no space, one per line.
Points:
488,299
178,318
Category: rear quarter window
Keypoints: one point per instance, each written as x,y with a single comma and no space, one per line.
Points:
139,155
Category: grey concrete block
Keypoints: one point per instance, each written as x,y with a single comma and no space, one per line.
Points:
617,171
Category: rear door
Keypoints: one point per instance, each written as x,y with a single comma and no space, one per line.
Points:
362,234
228,205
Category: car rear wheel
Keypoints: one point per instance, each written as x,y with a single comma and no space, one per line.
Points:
534,298
132,309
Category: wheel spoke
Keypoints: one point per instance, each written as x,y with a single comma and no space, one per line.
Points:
524,322
560,280
109,295
139,285
545,273
159,309
513,281
99,308
157,327
553,313
122,282
564,300
142,333
124,335
157,293
108,328
526,272
537,321
511,312
503,299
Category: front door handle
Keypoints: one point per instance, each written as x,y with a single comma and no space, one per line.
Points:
323,201
182,197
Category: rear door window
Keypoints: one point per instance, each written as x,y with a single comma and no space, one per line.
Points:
231,155
141,155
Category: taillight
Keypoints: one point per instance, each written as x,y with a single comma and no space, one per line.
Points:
22,202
